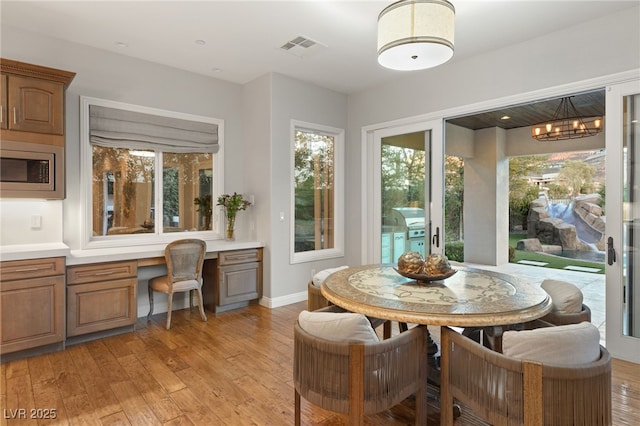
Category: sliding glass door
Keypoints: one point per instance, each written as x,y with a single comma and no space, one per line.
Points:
623,220
407,164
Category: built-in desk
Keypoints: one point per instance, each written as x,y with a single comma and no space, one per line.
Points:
98,294
232,274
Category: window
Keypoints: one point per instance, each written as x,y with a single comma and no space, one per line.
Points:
318,188
153,173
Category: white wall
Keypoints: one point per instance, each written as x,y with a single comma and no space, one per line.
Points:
486,200
257,127
295,100
593,49
120,78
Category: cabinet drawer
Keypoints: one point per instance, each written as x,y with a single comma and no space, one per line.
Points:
101,306
32,268
239,256
101,272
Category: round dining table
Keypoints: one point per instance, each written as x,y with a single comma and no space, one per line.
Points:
471,297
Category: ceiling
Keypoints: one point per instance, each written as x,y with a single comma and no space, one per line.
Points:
238,41
589,104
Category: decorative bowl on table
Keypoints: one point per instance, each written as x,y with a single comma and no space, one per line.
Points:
435,267
426,277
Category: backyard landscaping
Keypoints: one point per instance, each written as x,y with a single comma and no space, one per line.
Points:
552,261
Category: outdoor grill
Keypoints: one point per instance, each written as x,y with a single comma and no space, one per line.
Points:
404,230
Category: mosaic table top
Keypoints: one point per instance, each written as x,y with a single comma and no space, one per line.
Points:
471,297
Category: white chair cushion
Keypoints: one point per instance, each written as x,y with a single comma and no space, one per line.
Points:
566,298
319,278
563,345
162,284
338,326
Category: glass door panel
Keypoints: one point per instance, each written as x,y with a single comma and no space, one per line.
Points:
404,169
407,189
623,220
631,216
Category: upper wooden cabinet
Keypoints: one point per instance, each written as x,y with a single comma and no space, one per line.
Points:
35,105
3,101
33,102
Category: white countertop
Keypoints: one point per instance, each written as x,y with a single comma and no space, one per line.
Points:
33,251
79,257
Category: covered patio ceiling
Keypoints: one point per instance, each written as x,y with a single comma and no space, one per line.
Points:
588,104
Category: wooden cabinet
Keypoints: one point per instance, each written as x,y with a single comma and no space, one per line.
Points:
237,280
32,304
35,105
101,296
33,102
3,102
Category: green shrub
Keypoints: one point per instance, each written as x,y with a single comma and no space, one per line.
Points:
454,251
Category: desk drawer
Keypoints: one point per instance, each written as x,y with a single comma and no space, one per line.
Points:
239,256
32,268
101,272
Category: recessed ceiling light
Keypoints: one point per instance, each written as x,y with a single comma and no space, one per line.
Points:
505,117
200,42
216,69
121,44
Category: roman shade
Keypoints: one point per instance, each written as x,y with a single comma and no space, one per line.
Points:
119,128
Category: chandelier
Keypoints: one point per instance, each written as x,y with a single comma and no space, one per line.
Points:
566,124
415,34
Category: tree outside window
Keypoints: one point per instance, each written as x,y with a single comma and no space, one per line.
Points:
314,191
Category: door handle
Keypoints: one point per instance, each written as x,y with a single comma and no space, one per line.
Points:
435,239
611,253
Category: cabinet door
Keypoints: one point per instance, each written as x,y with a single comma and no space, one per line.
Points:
35,105
239,283
32,313
101,306
3,101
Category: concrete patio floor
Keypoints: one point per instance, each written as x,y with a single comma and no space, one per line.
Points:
592,286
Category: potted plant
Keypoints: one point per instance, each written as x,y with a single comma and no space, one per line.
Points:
205,209
232,204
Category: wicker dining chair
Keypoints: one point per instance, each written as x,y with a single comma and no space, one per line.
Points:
567,306
358,378
315,299
184,259
505,390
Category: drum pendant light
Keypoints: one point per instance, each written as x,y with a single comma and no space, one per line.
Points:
415,34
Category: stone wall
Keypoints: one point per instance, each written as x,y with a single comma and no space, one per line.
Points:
554,231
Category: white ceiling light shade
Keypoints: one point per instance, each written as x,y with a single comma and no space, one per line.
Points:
416,34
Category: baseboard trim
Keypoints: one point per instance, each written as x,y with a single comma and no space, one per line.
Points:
289,299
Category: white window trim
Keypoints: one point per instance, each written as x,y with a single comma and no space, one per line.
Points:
88,241
338,201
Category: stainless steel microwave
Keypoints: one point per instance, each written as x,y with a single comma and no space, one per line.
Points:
30,170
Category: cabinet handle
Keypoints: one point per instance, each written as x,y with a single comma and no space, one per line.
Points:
104,273
1,114
27,269
14,116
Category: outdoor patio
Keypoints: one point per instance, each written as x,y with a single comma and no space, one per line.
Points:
592,286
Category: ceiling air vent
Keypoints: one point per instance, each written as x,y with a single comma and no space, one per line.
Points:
302,47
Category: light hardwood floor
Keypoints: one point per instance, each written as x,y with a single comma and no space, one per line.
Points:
235,369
